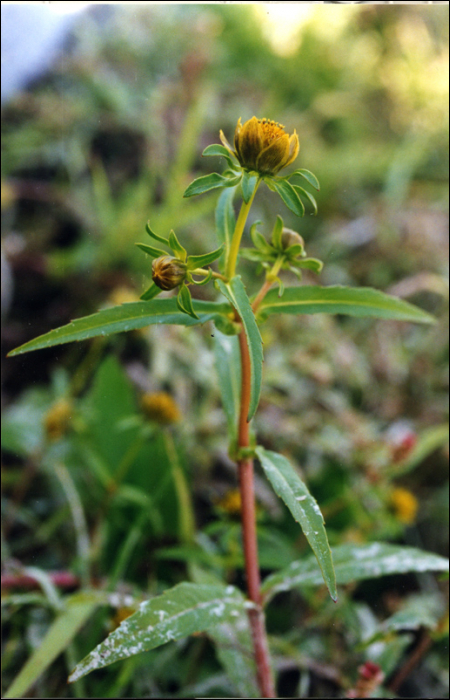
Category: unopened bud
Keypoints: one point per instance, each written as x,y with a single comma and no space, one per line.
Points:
168,272
289,237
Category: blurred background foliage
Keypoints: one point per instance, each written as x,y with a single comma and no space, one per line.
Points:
114,460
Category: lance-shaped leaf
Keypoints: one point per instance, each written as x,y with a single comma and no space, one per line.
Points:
150,250
301,190
228,367
184,301
151,292
354,301
248,185
216,149
289,196
209,182
355,563
277,233
183,610
288,485
154,235
78,608
236,294
126,317
195,261
176,246
307,175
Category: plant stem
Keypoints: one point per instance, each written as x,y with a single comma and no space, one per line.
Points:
237,235
246,485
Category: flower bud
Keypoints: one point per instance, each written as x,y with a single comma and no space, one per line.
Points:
160,407
168,272
289,237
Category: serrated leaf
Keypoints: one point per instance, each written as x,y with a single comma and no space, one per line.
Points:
195,261
205,183
150,250
78,608
150,293
228,368
304,508
248,185
289,196
126,317
183,610
184,301
277,233
354,301
307,194
236,294
176,246
355,563
154,235
306,175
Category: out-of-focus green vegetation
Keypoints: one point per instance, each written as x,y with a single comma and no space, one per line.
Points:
95,486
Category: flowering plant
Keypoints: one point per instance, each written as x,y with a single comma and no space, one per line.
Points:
261,150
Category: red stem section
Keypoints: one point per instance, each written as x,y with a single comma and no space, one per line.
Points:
246,484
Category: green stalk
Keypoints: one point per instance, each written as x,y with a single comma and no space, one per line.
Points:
237,235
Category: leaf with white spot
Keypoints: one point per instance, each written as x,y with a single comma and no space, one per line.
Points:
355,563
177,613
288,485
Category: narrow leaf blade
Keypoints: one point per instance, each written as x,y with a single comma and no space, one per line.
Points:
79,608
184,301
236,294
195,261
205,183
228,367
354,301
122,318
150,250
154,235
216,149
304,508
355,563
289,196
183,610
306,175
150,293
248,185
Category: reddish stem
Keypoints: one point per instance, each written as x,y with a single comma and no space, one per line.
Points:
246,484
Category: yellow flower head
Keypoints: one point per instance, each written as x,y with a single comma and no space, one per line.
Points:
405,505
263,146
168,272
161,408
57,419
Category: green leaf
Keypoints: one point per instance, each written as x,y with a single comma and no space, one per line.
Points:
235,292
154,235
78,608
429,440
288,485
217,150
259,241
228,367
234,648
150,293
306,175
150,250
176,246
183,610
206,183
252,254
355,563
289,196
225,217
310,264
248,185
277,233
184,301
126,317
354,301
300,190
195,261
